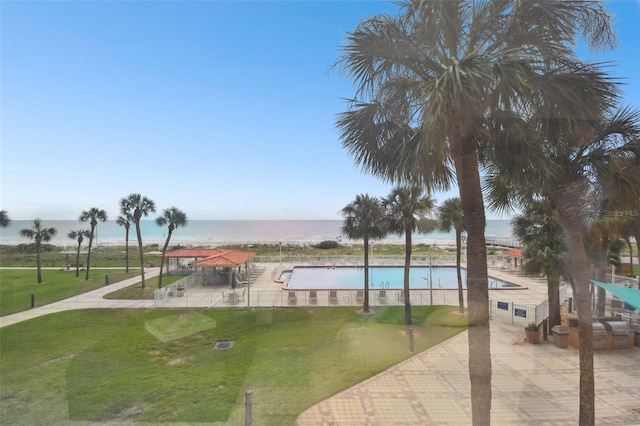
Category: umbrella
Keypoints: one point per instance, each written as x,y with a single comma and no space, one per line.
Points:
630,295
234,281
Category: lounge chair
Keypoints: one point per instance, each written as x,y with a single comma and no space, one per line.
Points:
313,298
383,299
292,299
333,297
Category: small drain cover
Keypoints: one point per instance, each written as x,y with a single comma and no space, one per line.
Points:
225,344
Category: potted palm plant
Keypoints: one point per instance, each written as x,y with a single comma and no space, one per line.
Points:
532,331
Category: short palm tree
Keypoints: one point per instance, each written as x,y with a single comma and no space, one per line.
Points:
79,236
450,216
568,163
175,219
364,219
138,206
545,249
125,220
4,219
405,207
38,234
93,215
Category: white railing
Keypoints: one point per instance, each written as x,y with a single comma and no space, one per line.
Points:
523,314
283,298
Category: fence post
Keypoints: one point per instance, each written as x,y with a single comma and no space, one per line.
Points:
411,339
247,407
33,300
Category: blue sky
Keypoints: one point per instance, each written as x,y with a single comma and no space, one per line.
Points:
225,110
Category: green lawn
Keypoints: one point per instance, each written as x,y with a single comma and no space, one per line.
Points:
161,365
135,292
17,285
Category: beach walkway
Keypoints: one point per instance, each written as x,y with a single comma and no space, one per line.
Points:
531,384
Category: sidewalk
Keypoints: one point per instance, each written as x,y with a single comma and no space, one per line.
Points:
90,299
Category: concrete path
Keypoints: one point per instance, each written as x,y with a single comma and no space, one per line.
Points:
91,299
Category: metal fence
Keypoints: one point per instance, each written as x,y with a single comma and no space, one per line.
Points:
523,314
245,297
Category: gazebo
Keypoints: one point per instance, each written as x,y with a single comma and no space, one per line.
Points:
516,253
220,262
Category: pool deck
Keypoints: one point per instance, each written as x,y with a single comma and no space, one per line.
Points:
532,384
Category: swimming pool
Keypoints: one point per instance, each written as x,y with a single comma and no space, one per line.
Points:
392,277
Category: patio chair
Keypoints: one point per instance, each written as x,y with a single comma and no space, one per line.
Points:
313,298
333,297
401,296
359,296
383,298
292,299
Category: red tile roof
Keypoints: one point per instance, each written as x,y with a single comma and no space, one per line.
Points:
195,253
517,252
213,257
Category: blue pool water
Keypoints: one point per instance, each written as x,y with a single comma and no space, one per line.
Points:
351,277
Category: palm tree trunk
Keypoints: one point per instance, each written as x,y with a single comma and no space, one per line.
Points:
366,274
164,250
407,267
458,269
553,289
78,261
39,262
602,272
86,273
570,218
126,248
466,165
139,235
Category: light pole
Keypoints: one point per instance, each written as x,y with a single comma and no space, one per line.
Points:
280,244
430,278
248,277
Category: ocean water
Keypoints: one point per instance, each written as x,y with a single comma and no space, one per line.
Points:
215,233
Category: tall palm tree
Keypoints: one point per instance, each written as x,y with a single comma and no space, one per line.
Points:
405,207
139,206
430,83
38,234
4,219
174,218
450,216
125,220
545,249
93,215
79,236
364,219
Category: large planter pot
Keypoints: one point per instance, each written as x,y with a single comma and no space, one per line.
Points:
532,336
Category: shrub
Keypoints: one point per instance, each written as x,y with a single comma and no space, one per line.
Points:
327,244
